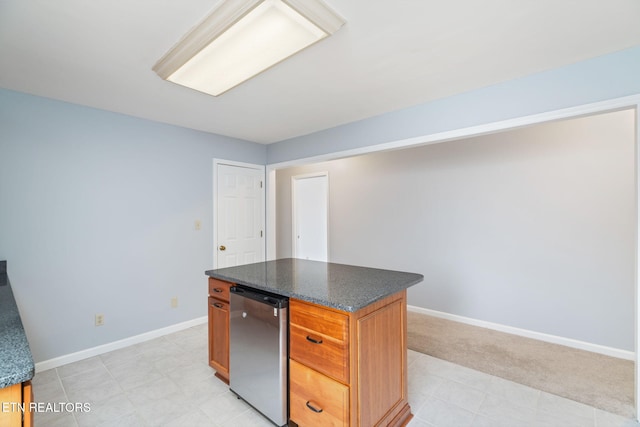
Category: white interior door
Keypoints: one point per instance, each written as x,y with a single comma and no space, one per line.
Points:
310,216
238,215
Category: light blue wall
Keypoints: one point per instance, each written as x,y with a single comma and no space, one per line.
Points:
97,215
97,208
606,77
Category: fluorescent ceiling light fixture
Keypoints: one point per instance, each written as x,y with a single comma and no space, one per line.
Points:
242,38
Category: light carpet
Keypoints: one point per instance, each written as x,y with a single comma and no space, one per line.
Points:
601,381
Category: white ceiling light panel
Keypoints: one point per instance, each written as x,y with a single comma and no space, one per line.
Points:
240,39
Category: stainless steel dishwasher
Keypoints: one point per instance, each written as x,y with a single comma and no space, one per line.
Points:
258,351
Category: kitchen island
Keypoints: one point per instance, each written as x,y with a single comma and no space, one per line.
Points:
347,338
16,367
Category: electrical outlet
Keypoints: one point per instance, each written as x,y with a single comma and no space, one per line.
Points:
174,302
99,319
197,224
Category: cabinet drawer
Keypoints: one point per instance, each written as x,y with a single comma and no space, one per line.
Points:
219,304
316,400
320,352
318,319
219,289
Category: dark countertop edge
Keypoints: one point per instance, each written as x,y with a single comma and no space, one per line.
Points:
324,302
343,307
285,293
26,372
19,378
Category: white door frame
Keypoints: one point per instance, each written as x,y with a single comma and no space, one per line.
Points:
637,269
294,216
216,163
632,101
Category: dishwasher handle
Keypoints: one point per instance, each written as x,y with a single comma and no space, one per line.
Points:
275,301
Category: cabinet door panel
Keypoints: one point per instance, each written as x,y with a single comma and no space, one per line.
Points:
219,336
381,349
11,396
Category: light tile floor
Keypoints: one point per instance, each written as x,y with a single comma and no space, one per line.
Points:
167,382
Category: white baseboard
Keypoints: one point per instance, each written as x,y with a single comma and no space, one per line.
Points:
116,345
554,339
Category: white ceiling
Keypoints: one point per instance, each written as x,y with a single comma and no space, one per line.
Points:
391,54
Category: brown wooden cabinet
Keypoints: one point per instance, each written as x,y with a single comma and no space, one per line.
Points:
219,327
345,368
349,369
16,400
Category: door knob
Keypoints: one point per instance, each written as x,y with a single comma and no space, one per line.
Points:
222,248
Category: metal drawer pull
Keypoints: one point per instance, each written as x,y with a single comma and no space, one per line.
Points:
217,290
314,409
314,340
218,305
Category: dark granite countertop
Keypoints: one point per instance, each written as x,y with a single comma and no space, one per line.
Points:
16,363
340,286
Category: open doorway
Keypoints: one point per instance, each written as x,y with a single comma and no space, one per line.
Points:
359,238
